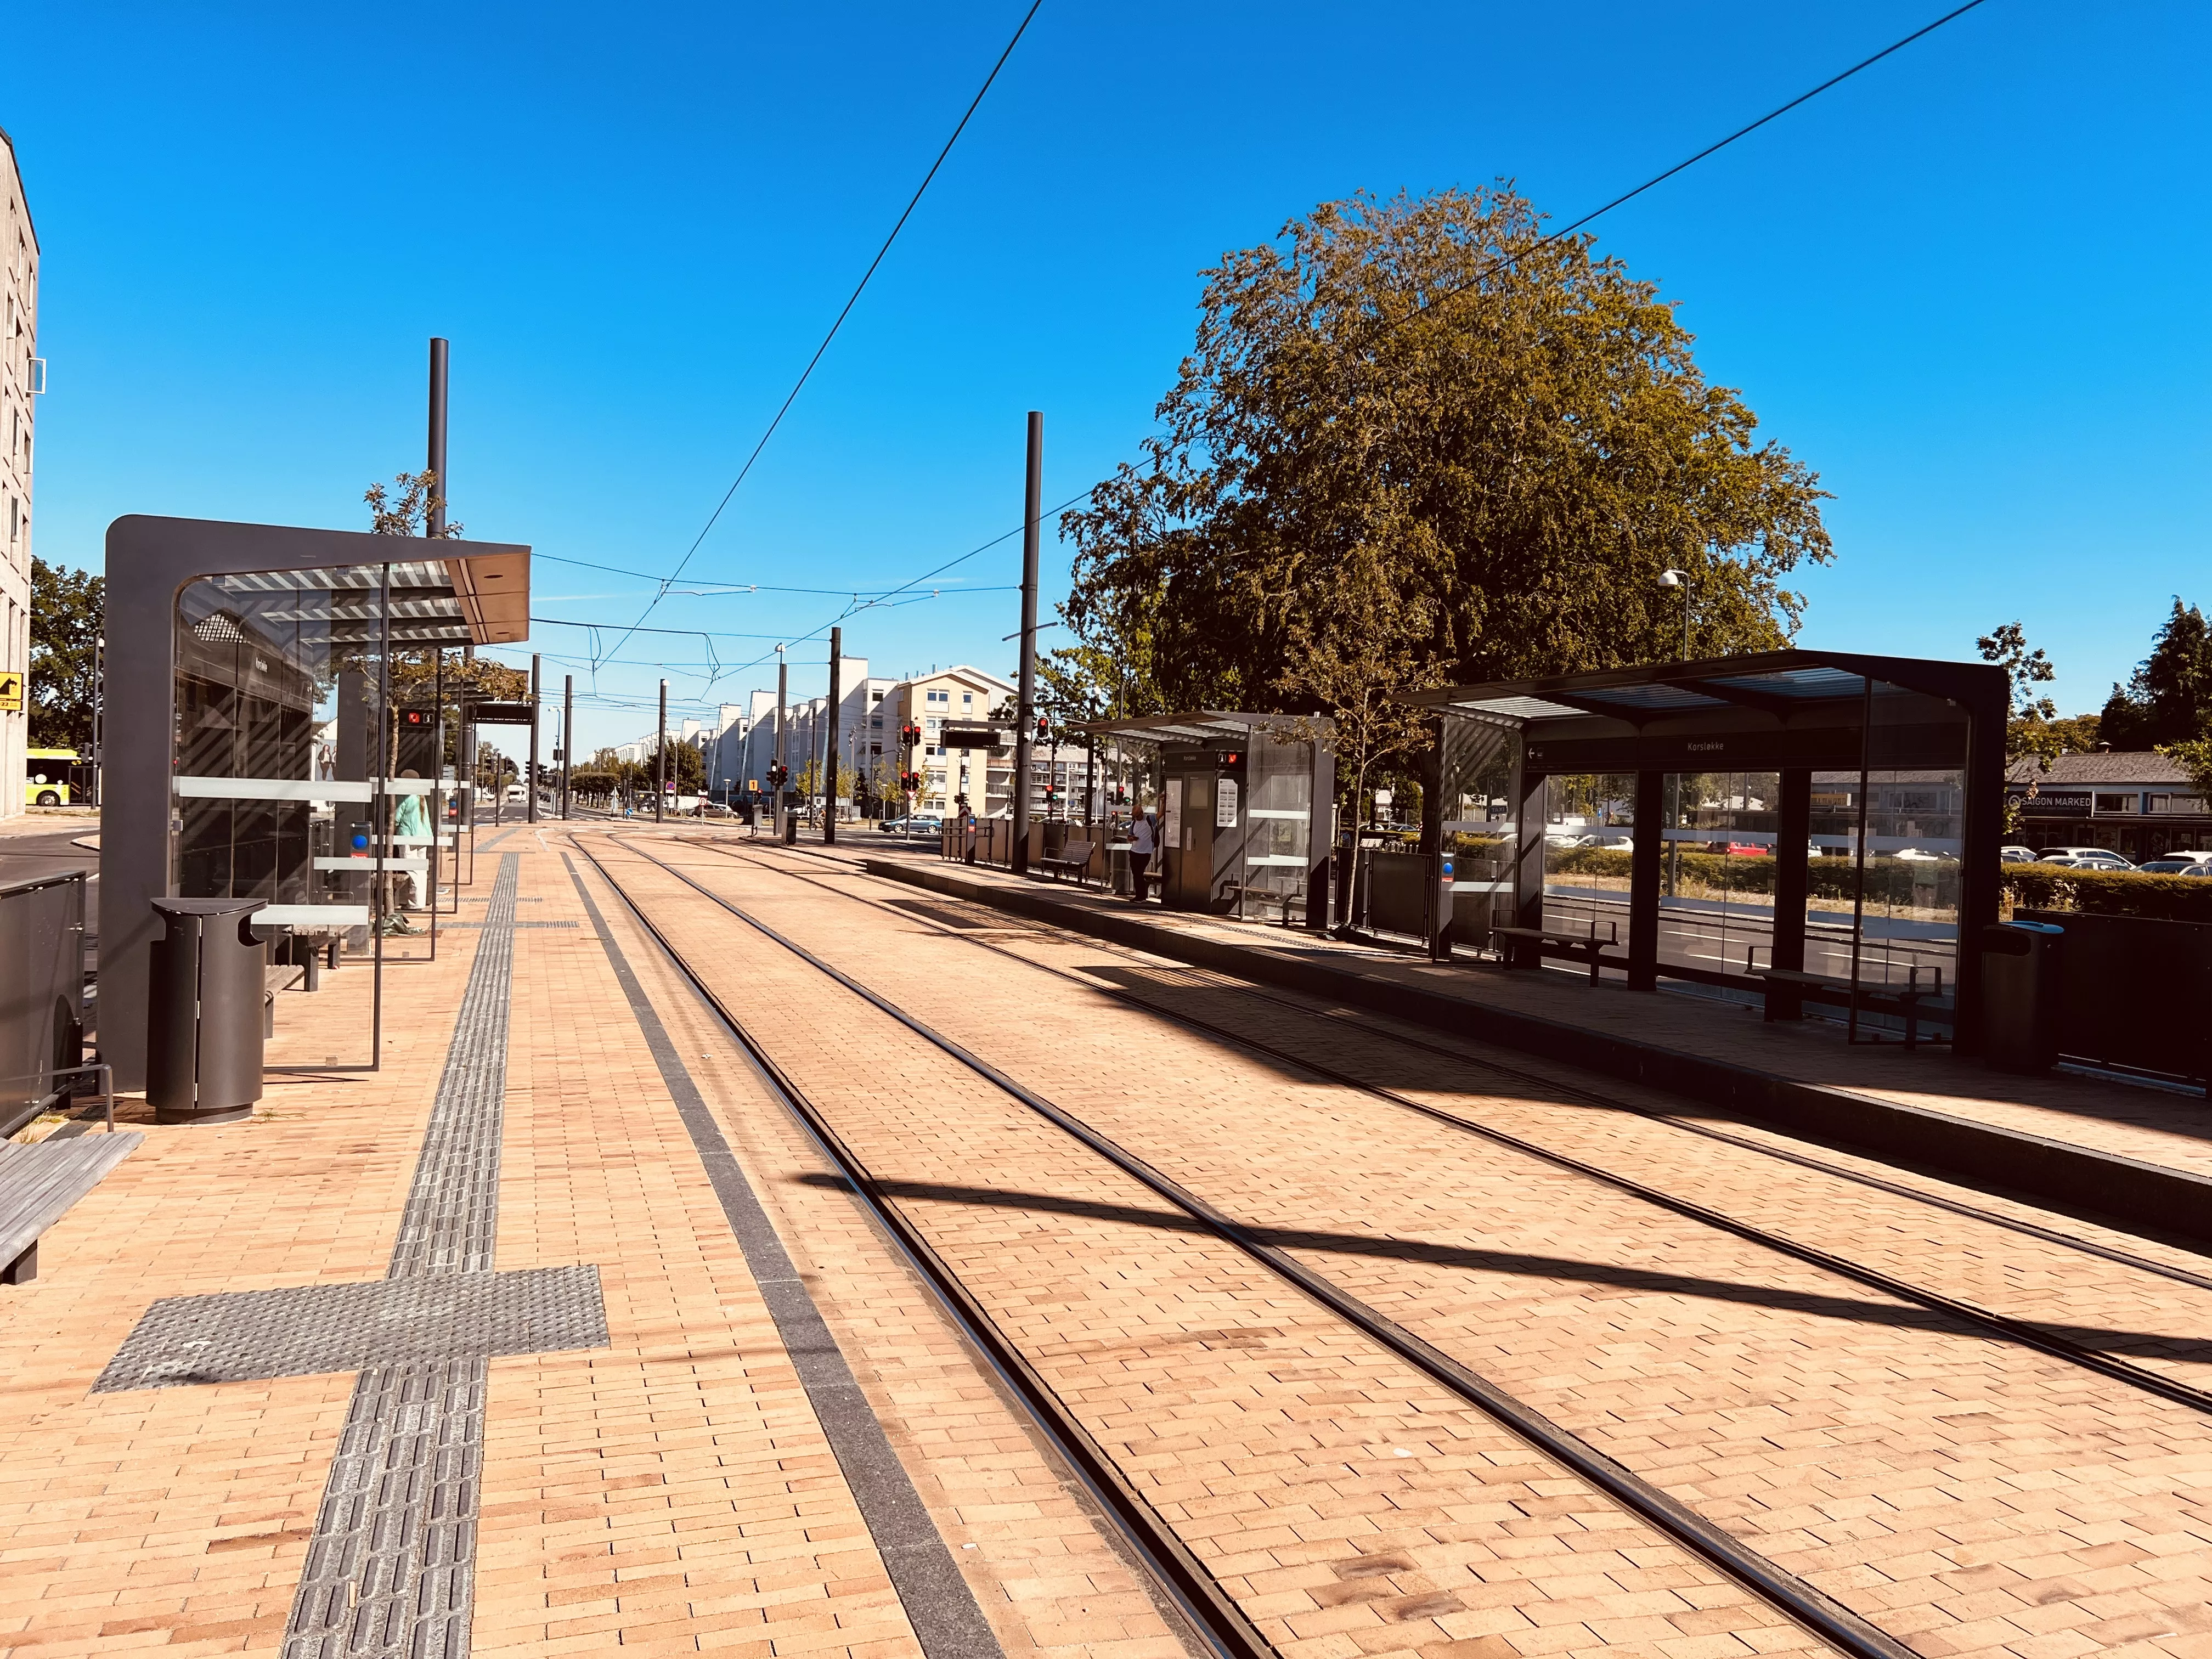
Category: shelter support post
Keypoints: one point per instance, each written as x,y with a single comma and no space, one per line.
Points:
1979,871
1644,876
1792,856
1528,857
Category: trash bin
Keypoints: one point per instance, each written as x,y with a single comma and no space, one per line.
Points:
2020,995
203,1030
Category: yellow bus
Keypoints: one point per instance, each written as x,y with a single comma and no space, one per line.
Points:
46,775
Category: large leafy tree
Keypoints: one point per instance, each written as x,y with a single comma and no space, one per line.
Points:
1415,443
68,611
2168,699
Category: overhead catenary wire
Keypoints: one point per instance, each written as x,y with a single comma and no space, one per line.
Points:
1504,261
851,300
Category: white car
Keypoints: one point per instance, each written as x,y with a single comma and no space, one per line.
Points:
2086,858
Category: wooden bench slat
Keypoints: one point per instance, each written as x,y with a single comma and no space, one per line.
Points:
39,1183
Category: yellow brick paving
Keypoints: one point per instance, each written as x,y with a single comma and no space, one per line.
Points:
671,1493
1351,1505
1974,1496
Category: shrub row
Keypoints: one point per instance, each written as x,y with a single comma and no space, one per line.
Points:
2025,886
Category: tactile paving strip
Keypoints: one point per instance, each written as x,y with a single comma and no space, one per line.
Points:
390,1571
246,1336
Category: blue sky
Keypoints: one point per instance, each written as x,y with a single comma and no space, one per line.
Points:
1963,286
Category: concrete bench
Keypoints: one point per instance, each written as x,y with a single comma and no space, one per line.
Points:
1075,857
1541,942
37,1184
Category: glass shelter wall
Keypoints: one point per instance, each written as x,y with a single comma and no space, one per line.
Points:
285,743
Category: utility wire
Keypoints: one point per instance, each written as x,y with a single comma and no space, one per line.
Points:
1503,261
974,103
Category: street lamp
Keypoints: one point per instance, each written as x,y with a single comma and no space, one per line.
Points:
1681,579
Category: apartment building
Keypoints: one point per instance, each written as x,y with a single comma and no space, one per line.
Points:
959,695
22,378
745,755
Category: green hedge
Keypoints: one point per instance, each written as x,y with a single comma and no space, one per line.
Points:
1888,881
2026,886
2108,892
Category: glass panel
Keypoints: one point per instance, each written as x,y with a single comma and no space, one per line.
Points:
1278,813
1479,827
281,735
1912,810
1717,879
1588,845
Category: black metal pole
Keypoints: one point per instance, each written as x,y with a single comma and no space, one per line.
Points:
783,687
530,815
568,736
1025,733
829,746
660,757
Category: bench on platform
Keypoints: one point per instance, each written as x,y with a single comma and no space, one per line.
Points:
1074,857
1537,943
1787,988
37,1184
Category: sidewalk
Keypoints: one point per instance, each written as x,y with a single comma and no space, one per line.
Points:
569,1419
2070,1142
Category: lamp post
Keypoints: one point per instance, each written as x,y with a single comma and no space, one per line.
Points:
1681,579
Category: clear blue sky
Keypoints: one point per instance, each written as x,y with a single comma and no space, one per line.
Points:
1965,287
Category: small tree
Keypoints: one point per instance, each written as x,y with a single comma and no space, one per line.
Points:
68,610
2168,699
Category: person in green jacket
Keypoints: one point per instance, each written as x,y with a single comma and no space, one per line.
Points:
407,819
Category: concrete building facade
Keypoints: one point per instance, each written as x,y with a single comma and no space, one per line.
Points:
22,378
959,695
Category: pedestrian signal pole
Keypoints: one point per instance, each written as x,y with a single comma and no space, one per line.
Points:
660,757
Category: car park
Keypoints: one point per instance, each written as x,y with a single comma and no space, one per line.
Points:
2085,857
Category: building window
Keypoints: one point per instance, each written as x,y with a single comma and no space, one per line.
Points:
967,699
2115,803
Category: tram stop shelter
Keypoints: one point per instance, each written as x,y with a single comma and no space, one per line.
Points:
255,735
1802,825
1244,804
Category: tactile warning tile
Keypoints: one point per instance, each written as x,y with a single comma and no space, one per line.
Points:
247,1335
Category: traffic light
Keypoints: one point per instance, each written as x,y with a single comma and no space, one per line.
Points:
1044,727
910,734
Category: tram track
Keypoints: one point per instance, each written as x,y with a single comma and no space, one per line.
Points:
1210,980
1800,1602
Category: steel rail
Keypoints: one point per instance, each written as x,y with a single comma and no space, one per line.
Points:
1198,1597
1792,1596
1349,1022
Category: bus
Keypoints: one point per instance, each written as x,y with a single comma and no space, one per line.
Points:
46,775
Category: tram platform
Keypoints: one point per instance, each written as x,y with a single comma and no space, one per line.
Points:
2109,1150
622,1444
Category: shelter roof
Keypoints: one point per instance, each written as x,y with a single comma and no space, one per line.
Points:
1778,683
1201,726
480,598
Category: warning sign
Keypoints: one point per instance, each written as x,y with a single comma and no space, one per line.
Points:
11,693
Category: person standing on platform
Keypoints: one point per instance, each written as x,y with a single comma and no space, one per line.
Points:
1141,842
411,835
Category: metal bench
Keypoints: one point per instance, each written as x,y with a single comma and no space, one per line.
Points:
1075,857
1538,943
37,1184
1787,986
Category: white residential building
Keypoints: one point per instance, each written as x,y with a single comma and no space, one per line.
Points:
22,376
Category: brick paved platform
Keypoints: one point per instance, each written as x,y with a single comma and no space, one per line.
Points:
667,1485
2078,1143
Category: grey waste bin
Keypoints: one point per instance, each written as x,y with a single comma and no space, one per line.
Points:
203,1014
2020,995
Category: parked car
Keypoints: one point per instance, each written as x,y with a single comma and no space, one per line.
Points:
1922,855
2178,863
2085,857
2016,854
